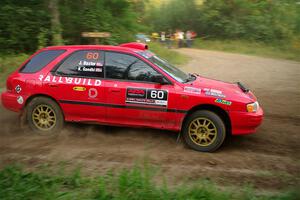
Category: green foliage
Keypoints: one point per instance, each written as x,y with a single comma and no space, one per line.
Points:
42,38
173,15
114,16
258,20
244,19
8,64
20,24
25,26
136,183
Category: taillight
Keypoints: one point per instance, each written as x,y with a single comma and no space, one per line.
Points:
9,85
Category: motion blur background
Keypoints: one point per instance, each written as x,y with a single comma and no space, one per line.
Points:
28,25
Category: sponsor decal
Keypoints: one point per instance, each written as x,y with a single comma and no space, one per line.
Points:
93,92
213,92
18,89
192,90
20,100
147,96
78,88
223,101
70,80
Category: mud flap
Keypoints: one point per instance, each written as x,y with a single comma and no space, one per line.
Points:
22,120
178,137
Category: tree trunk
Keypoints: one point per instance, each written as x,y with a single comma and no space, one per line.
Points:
56,30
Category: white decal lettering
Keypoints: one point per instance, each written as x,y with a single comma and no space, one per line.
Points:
97,82
214,92
77,80
69,80
98,64
47,79
89,82
41,77
20,100
192,90
93,93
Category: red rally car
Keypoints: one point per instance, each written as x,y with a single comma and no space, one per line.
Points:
127,85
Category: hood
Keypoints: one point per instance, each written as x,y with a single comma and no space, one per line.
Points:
224,90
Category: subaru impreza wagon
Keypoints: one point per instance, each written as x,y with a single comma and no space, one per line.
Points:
128,85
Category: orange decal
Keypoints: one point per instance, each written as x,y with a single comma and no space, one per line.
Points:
91,55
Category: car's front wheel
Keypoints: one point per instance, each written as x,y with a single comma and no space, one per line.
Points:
204,131
44,116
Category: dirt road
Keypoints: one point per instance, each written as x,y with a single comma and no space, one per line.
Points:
268,160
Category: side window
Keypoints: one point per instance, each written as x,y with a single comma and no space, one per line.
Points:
86,63
126,67
116,64
40,60
140,71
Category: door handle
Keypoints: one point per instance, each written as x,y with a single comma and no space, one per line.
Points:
115,90
53,85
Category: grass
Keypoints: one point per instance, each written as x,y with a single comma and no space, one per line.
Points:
136,183
167,54
282,50
8,64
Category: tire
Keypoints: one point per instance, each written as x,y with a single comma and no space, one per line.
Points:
44,116
204,131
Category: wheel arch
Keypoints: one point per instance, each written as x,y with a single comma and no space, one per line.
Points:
42,95
216,109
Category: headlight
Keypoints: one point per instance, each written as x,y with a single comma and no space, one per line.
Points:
253,107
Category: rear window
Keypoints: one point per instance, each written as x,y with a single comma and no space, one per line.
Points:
40,60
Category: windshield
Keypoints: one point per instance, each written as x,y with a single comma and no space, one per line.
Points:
171,70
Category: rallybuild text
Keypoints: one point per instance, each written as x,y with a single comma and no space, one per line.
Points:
70,80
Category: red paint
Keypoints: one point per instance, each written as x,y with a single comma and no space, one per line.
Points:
109,105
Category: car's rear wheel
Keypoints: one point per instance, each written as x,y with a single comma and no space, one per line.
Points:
204,131
44,116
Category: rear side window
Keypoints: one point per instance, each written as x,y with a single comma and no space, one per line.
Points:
40,60
84,63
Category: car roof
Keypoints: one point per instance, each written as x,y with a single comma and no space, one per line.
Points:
101,47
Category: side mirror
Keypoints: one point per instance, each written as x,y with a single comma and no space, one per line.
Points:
159,79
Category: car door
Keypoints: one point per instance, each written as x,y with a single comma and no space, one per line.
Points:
77,84
133,97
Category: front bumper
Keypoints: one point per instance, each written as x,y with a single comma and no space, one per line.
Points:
10,101
244,122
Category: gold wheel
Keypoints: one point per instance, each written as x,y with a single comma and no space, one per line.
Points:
202,131
44,117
